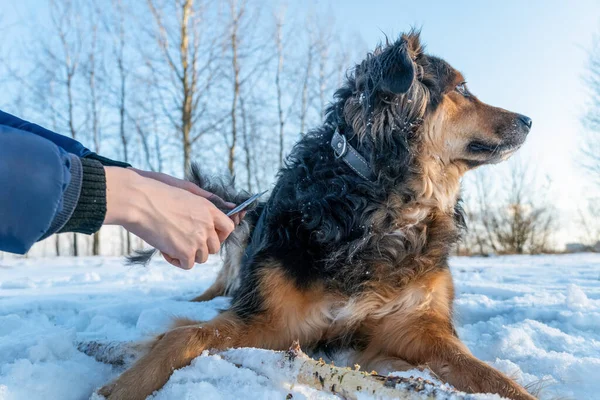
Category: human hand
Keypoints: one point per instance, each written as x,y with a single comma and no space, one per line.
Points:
192,188
182,225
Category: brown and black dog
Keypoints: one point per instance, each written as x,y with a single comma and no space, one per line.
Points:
351,250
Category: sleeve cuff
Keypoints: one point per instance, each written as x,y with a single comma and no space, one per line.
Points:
70,197
107,161
90,211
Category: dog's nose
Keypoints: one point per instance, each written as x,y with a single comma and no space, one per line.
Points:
525,120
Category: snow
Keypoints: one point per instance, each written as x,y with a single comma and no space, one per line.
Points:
536,318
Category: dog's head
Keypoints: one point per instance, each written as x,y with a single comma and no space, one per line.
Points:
405,105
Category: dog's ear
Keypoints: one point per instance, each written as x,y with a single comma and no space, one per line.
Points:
396,68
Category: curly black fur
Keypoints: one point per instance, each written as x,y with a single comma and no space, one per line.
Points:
224,191
319,224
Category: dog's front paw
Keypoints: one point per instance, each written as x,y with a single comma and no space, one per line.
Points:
106,390
97,396
118,390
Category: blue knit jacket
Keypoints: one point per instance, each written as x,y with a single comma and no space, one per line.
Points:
43,179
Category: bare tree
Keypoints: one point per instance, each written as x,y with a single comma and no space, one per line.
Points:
590,148
332,58
255,138
114,27
55,129
188,52
236,14
477,200
323,51
588,222
306,81
252,129
92,78
248,55
66,57
589,158
520,221
290,81
279,18
330,62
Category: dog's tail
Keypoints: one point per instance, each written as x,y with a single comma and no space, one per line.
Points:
226,192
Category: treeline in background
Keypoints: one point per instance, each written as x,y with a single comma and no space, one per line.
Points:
233,84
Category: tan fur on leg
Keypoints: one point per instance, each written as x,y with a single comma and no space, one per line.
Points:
421,334
172,350
289,314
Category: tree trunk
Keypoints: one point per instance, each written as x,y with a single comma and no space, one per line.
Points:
122,110
95,119
305,84
247,151
75,247
57,245
187,105
322,79
278,40
70,106
96,244
236,86
73,135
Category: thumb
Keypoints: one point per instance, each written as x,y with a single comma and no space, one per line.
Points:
183,263
171,260
187,262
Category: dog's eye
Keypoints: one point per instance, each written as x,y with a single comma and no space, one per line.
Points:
462,89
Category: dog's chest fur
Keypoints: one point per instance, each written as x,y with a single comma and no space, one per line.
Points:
351,322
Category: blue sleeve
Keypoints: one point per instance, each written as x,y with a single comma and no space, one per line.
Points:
34,175
64,142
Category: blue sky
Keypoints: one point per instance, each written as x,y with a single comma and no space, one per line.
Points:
525,56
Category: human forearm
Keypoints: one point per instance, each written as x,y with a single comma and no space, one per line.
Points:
34,176
123,196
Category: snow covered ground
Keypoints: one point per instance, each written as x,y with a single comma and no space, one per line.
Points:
537,318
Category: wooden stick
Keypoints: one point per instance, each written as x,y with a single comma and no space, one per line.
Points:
295,367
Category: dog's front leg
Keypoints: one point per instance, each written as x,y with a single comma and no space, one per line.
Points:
429,341
421,333
469,374
172,350
273,329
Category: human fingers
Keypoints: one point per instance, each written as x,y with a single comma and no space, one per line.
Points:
213,243
223,225
202,254
187,262
171,260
